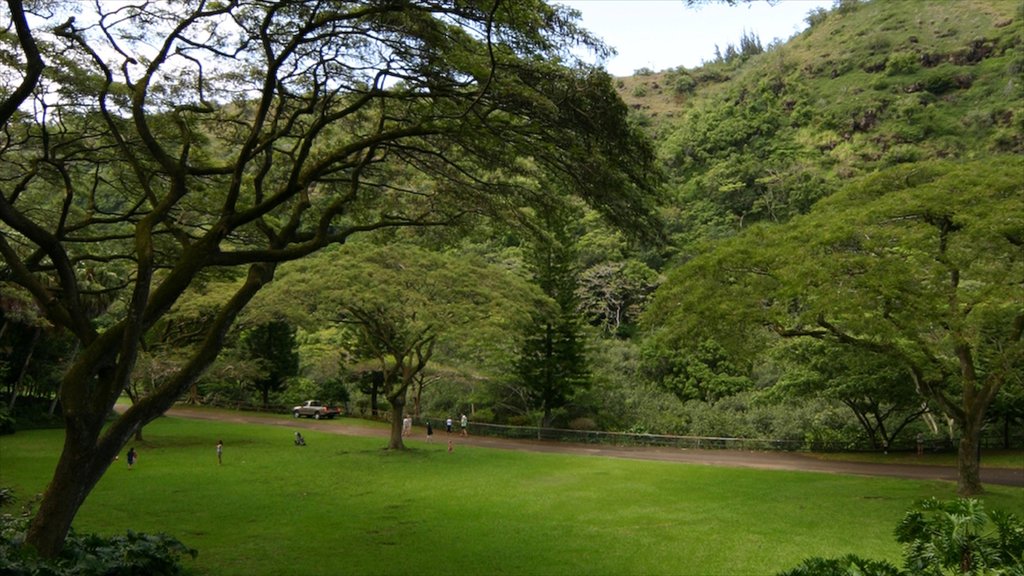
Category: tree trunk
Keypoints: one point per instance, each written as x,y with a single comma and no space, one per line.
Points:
969,459
397,415
90,389
24,367
80,467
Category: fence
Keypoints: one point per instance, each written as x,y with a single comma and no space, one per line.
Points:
632,439
703,442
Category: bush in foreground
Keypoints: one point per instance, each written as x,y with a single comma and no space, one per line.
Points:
133,554
956,537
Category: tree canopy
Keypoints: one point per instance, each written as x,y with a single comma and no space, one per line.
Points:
920,263
147,145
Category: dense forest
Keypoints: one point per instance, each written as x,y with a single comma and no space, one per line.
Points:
818,241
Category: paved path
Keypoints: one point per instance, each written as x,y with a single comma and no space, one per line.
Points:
731,458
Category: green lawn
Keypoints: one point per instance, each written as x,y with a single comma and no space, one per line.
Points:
343,506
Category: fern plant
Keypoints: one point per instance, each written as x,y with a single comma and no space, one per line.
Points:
960,537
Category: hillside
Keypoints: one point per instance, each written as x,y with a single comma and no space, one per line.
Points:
762,136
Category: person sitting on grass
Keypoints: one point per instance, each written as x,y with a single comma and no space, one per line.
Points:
299,440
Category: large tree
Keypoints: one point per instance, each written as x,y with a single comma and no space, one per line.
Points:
404,305
876,389
921,264
147,143
273,347
552,365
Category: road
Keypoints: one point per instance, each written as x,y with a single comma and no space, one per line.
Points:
729,458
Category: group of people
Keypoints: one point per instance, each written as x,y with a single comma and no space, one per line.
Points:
133,456
463,425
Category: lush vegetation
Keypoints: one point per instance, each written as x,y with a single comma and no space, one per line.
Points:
344,504
954,537
158,147
818,241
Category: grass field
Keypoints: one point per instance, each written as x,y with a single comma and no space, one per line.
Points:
342,505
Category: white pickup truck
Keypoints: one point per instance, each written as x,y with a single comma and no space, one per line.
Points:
315,409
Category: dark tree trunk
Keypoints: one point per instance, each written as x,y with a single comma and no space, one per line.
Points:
397,415
969,459
24,367
81,465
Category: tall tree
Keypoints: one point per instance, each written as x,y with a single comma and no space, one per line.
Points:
405,306
144,144
401,346
876,389
552,365
272,345
696,372
921,264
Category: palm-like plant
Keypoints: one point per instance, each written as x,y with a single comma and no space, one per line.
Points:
960,537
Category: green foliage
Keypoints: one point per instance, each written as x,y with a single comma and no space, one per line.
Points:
682,82
612,295
702,372
866,86
347,119
809,425
6,421
552,363
133,554
960,537
940,538
273,348
901,63
849,565
874,387
912,263
560,515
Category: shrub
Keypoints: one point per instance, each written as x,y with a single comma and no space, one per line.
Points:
848,565
940,82
6,421
816,17
133,554
960,537
901,63
939,539
683,84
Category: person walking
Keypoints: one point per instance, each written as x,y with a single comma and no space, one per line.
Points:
220,451
132,457
463,423
406,426
430,432
448,425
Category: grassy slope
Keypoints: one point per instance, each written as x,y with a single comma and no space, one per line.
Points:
841,62
341,505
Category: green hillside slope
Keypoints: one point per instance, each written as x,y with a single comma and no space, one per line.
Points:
761,137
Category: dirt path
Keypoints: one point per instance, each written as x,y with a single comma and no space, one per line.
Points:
731,458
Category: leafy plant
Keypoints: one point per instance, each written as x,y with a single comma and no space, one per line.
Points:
849,565
960,537
133,554
940,538
6,421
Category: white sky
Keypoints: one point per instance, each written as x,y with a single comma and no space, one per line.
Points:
661,34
